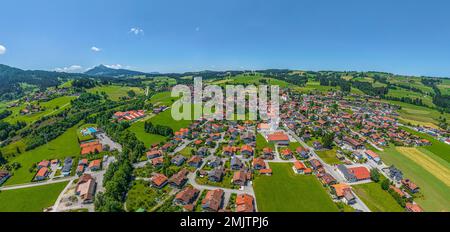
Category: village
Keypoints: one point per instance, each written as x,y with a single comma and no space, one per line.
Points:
210,165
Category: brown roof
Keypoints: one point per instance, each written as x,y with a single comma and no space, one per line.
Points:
277,136
244,203
187,194
213,199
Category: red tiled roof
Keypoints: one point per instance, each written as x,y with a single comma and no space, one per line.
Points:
278,136
360,173
42,172
299,165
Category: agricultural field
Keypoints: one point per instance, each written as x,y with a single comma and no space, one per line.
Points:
444,87
63,146
285,191
51,107
400,92
115,92
377,199
435,192
419,114
33,199
312,85
410,81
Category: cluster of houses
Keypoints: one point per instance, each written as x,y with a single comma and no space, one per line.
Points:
131,115
85,165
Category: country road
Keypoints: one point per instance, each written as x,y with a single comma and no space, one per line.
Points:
30,185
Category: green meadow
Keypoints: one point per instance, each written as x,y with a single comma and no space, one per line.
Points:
285,191
63,146
115,92
33,199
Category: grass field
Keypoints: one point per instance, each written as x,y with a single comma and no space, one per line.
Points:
162,98
63,146
285,191
51,107
148,139
165,118
435,192
329,156
261,142
377,199
115,92
399,92
33,199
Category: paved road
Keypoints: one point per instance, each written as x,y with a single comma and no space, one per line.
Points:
34,184
105,139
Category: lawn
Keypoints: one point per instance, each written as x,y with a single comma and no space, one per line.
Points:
261,142
115,92
33,199
435,192
399,92
377,199
51,107
285,191
147,138
165,118
63,146
329,156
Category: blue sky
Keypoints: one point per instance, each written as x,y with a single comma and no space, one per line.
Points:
406,37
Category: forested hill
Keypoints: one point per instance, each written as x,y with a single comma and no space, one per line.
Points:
12,80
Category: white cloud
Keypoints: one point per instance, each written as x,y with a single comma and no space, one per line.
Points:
72,68
115,66
2,49
95,49
136,30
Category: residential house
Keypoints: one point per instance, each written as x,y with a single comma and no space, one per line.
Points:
413,207
178,160
343,191
153,154
246,150
267,153
157,162
95,165
213,200
186,196
43,163
298,167
317,145
91,147
302,152
409,185
355,173
239,178
373,156
245,203
203,152
195,161
4,175
353,143
258,164
85,188
159,180
42,174
67,167
286,153
315,164
216,162
179,179
327,179
216,174
236,163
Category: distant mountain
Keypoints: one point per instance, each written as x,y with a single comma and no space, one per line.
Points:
104,71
